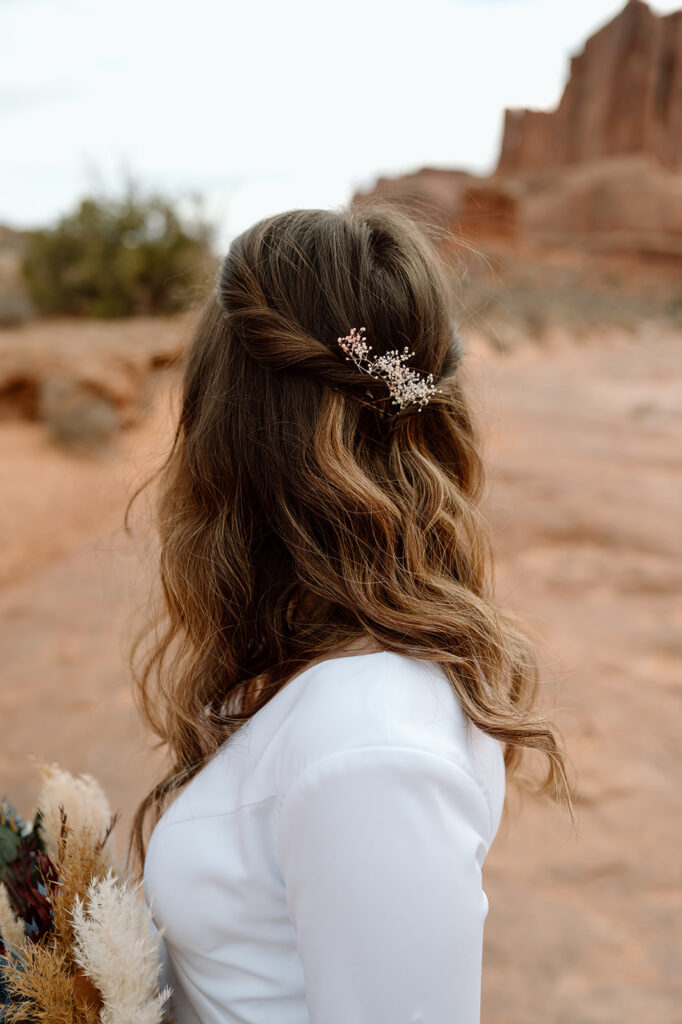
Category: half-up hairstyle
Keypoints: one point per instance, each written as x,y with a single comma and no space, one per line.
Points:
299,512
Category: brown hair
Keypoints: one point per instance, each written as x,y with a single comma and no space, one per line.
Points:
298,511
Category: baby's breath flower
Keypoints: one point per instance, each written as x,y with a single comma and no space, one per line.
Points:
404,383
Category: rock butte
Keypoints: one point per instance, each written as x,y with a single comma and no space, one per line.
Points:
600,173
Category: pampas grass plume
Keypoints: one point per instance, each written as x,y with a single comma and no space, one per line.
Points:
12,930
115,947
83,800
80,860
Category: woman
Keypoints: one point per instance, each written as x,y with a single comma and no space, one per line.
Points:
338,694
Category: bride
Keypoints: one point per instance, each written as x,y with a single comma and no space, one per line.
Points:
340,698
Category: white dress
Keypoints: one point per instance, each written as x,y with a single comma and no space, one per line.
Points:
325,866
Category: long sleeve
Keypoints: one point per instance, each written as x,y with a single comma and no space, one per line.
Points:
381,851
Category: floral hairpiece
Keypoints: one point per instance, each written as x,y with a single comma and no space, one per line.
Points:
404,383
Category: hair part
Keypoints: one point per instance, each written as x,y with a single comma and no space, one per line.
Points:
297,512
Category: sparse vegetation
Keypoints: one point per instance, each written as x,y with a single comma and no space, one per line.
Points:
511,297
114,257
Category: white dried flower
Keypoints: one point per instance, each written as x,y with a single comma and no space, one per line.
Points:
116,947
12,930
83,800
404,383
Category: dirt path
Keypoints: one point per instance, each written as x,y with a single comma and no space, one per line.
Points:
586,488
585,452
71,586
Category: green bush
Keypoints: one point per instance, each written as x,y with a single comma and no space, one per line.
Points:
118,257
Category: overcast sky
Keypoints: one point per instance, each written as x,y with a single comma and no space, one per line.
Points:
264,105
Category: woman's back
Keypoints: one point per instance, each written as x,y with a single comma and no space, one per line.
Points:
324,866
322,860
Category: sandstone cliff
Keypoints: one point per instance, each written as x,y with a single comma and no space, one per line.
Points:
623,96
601,174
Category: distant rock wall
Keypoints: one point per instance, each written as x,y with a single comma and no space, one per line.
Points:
600,173
431,194
623,96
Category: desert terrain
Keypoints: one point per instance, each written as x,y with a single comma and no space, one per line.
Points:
584,451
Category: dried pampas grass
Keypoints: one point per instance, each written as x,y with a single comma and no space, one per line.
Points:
12,931
86,951
41,989
79,860
110,931
82,799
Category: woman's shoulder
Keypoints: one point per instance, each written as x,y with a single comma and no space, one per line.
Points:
382,698
386,701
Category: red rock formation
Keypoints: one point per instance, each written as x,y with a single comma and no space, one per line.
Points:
489,209
623,96
454,200
601,173
431,194
627,203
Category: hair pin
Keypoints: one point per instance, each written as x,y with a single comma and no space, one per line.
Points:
404,383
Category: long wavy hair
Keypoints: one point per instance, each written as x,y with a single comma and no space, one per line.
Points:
299,511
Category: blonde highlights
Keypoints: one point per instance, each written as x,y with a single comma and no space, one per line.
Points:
298,512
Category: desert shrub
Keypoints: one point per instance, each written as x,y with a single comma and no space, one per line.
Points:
115,257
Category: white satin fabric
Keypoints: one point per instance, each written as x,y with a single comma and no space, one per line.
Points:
325,866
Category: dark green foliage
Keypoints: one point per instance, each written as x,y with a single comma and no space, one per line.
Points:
118,257
25,869
12,831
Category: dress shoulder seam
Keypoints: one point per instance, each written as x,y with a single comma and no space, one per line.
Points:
387,749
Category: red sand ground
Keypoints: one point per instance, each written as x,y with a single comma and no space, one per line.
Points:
584,446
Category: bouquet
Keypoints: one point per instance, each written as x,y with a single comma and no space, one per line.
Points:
77,943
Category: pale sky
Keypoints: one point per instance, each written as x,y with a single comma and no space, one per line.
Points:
264,105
